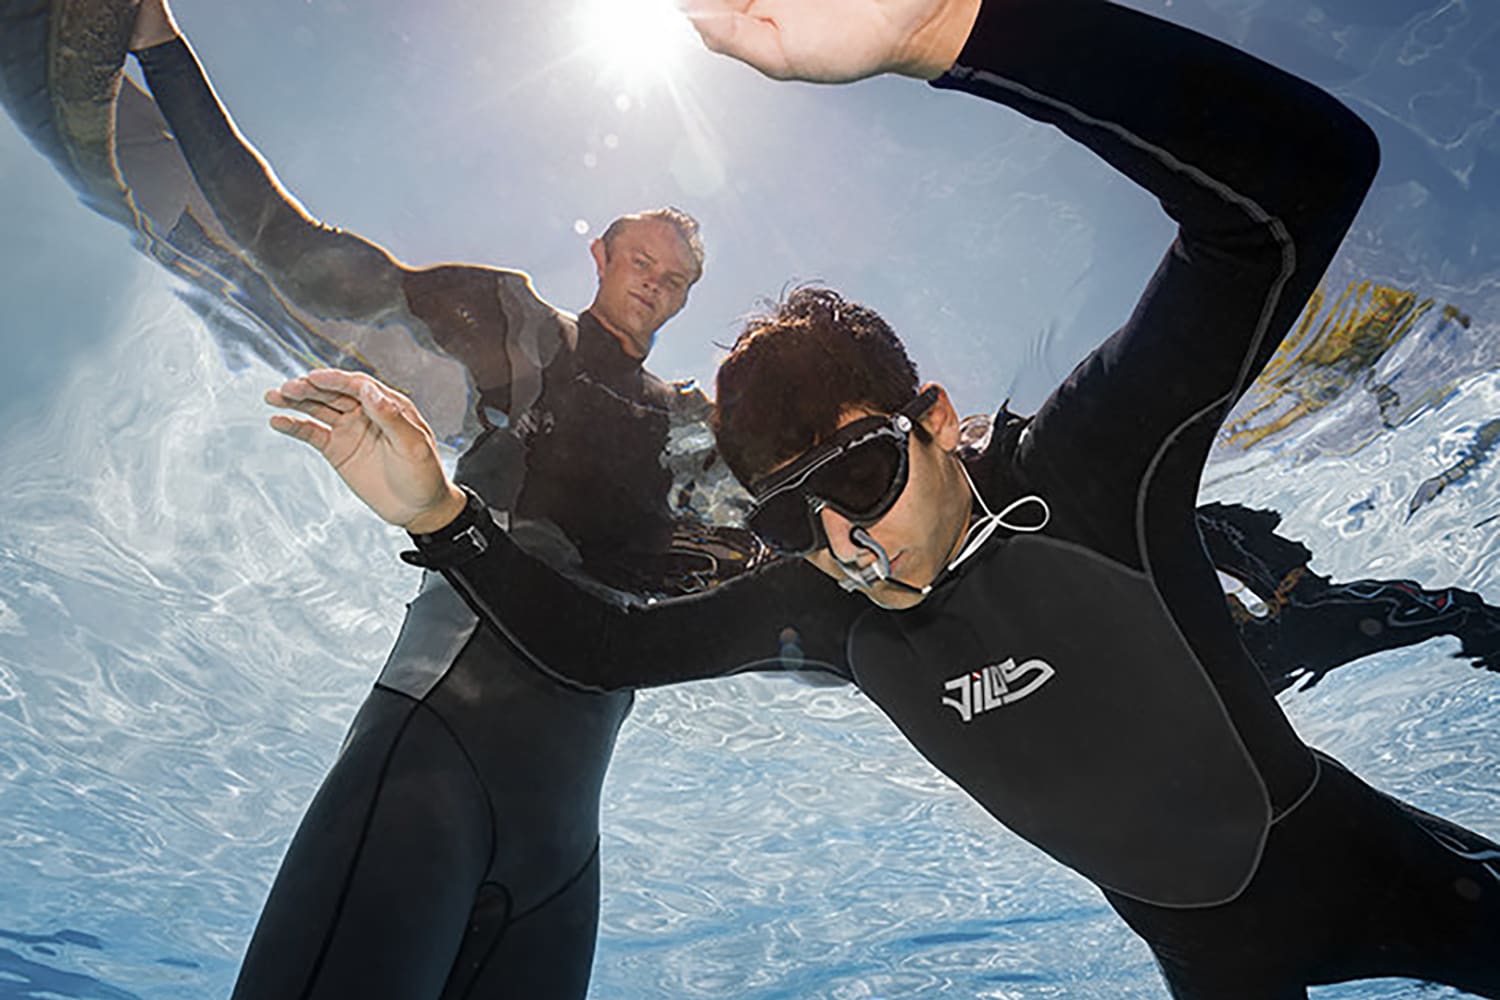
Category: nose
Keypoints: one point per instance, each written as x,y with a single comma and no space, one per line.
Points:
836,528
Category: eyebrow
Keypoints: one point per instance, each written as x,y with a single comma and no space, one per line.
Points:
672,272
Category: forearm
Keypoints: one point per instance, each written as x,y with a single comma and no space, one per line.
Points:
1220,137
784,618
332,274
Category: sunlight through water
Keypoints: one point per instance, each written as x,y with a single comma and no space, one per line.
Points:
635,43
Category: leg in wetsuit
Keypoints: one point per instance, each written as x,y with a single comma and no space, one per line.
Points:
1311,624
1346,891
452,851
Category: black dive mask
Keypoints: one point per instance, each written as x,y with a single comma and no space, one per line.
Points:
859,473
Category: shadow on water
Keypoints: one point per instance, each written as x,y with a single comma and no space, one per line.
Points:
24,978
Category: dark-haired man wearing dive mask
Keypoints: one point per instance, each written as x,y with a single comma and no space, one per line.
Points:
1076,671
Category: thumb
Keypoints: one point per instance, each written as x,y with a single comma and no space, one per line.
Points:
752,40
715,27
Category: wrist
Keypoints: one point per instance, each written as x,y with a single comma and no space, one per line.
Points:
435,519
935,46
464,537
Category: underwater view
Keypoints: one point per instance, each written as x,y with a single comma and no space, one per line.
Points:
193,608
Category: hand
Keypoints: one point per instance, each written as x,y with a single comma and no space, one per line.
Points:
835,41
376,441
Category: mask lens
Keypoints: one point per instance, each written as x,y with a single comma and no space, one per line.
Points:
861,482
784,522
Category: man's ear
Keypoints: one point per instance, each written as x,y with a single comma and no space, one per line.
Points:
941,419
600,252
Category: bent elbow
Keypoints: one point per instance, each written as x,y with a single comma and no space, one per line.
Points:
1351,161
1362,154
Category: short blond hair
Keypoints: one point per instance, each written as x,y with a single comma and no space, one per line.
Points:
685,224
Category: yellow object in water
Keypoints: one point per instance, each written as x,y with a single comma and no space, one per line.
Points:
1335,346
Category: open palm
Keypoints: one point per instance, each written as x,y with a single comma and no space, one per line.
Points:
374,438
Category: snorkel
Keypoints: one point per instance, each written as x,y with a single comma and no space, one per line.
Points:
865,577
980,529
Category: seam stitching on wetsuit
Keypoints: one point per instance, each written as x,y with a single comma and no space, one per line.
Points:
1283,238
495,944
572,881
1277,817
354,859
1257,214
496,622
489,803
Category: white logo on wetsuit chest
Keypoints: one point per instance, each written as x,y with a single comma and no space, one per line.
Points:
995,685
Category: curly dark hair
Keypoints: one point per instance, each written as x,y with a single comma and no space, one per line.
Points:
795,369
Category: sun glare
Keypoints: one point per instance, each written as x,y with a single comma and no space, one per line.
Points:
637,40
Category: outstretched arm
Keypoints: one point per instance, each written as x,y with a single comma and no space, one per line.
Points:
787,618
1262,172
490,320
326,272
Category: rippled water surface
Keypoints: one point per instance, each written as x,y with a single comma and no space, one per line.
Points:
191,608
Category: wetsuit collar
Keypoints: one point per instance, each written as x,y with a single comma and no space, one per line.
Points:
600,352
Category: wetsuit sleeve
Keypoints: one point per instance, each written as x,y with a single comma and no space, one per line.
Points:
322,270
787,617
484,317
1262,172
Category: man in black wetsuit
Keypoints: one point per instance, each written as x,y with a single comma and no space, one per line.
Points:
1050,632
452,849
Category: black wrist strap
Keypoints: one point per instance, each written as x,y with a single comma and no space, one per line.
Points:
464,538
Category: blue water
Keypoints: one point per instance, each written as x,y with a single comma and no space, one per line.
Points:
191,608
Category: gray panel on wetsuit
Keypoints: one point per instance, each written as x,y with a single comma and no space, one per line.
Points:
438,625
1011,680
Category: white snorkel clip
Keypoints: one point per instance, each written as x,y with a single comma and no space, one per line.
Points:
864,577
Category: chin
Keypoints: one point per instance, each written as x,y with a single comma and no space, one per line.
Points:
892,599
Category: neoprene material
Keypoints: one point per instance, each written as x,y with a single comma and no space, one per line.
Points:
1263,174
453,849
947,673
60,64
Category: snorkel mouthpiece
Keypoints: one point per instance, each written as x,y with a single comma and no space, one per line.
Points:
860,577
879,571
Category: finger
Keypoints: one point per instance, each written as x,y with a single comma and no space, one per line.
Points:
301,390
321,412
328,412
331,384
395,416
303,430
710,8
755,41
350,384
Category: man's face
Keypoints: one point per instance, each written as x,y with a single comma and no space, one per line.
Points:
644,276
922,531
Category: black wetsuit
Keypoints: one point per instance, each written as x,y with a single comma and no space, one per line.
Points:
1086,683
1303,625
452,850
